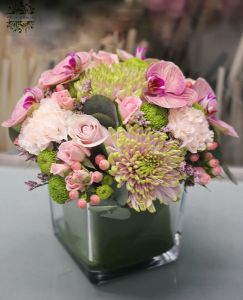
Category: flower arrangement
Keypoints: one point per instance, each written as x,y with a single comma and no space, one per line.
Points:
100,124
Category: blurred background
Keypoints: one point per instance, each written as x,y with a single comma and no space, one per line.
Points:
203,37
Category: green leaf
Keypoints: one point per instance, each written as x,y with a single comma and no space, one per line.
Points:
105,120
120,195
103,108
13,132
102,209
111,211
87,163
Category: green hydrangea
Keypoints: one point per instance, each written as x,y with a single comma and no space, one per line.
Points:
107,180
45,159
57,189
104,191
123,79
157,116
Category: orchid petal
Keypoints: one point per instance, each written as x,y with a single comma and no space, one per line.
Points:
174,79
223,127
202,88
188,97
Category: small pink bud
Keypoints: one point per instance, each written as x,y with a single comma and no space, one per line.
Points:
213,162
82,203
97,177
104,164
59,87
217,171
73,195
212,146
99,158
194,157
76,166
208,155
94,199
189,83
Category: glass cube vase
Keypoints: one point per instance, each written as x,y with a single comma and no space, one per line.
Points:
113,242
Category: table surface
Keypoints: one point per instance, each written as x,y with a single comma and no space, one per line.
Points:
34,266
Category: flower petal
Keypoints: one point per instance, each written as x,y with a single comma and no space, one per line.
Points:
223,127
202,88
174,79
188,97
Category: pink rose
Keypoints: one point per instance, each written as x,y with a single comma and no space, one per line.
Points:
86,130
63,98
70,152
78,180
30,97
103,57
59,169
201,176
128,106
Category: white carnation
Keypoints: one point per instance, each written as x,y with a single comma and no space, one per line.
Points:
191,127
47,124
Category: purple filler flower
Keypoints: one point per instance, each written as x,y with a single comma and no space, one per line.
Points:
167,86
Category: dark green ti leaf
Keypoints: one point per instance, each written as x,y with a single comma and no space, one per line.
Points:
13,132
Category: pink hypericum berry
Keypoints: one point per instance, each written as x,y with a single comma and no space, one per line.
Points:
99,158
94,199
194,157
212,146
97,177
82,203
205,179
104,164
217,171
76,166
208,156
73,195
213,162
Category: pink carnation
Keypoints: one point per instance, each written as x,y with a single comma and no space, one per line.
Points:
128,106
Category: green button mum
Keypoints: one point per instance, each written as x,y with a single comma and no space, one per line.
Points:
57,189
157,116
104,191
45,159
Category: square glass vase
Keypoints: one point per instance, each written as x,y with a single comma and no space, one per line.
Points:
107,243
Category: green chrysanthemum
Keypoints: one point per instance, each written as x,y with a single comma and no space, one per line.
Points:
147,163
57,189
157,116
107,180
123,79
45,159
104,191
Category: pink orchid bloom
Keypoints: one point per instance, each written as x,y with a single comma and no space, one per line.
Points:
30,97
167,86
67,70
141,52
207,98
